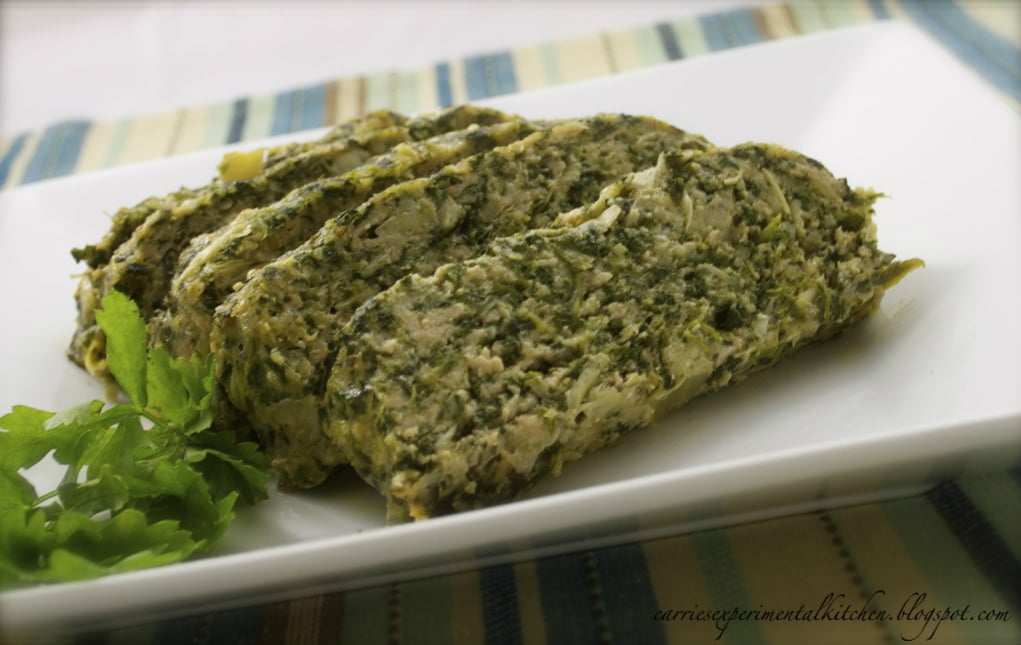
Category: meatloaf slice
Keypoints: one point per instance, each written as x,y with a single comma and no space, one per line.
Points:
215,262
274,338
127,219
142,266
460,389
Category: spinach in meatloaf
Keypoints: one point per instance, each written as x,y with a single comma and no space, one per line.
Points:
460,389
274,338
214,263
142,266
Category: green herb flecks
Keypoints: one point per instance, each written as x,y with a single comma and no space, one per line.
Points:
146,483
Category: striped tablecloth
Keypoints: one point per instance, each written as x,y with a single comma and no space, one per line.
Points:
945,567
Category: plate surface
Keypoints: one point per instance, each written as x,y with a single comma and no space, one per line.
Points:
929,386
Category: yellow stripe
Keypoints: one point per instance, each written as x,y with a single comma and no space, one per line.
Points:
96,146
458,88
528,68
17,170
259,121
428,96
469,627
526,579
773,555
349,100
886,565
1002,18
860,11
582,58
778,21
303,618
690,38
626,53
191,136
148,137
678,584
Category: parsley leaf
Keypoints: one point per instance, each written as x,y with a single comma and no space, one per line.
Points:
125,342
145,483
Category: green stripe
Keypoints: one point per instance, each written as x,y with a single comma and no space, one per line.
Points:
217,125
377,91
723,579
979,539
117,141
991,494
944,563
807,16
259,121
691,37
550,66
426,613
369,618
839,14
650,48
407,93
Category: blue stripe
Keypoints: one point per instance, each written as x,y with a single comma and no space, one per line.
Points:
237,627
715,34
238,115
990,55
283,111
500,616
502,69
879,9
298,110
313,110
57,152
981,541
566,606
489,75
668,39
443,91
741,25
624,576
11,155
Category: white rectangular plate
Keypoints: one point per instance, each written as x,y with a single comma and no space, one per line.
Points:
928,386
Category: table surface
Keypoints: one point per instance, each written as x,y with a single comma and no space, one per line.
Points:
95,85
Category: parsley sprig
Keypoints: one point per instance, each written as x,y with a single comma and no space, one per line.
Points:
147,483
